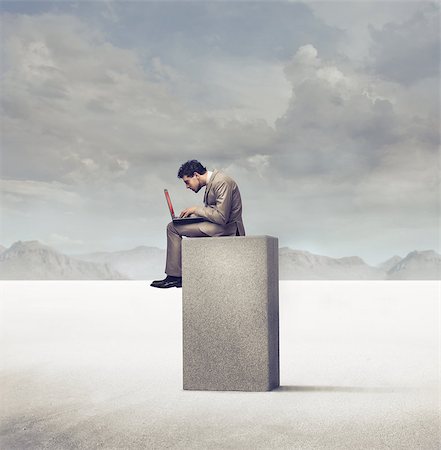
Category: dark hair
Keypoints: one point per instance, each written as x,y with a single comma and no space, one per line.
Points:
190,167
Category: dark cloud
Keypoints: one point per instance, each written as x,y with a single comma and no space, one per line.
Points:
333,125
267,30
409,51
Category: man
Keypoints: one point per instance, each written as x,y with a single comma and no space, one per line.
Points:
222,211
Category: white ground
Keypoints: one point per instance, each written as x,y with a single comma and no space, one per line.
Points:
98,365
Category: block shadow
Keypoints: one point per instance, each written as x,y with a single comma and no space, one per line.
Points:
359,389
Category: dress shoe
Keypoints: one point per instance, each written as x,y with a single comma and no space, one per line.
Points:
168,282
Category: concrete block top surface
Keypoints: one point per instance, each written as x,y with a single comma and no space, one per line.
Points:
207,239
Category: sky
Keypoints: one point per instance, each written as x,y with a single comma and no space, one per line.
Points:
325,113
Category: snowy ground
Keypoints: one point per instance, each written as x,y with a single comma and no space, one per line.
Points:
98,365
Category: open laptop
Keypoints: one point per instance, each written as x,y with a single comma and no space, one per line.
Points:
180,220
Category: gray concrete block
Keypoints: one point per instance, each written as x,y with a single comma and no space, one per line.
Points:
230,317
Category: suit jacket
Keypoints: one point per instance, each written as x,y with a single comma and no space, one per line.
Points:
223,204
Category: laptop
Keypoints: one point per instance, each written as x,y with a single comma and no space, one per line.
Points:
180,220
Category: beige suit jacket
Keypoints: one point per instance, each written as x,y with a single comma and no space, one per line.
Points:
223,204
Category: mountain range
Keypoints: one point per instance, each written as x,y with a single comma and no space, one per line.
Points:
140,263
303,265
32,260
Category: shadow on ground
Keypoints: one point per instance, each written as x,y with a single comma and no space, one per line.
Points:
386,390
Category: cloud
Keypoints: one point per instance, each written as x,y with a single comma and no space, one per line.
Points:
335,123
354,20
343,121
84,121
350,157
31,193
328,153
408,51
197,30
80,110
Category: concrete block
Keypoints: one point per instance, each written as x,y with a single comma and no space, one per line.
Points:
230,296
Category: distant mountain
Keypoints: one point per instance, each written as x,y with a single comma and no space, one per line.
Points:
32,260
417,265
389,263
2,248
302,265
140,263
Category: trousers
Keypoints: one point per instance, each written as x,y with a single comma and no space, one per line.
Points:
173,266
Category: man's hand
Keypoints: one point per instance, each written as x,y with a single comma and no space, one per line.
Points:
188,211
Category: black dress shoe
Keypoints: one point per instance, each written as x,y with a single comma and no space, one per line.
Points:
168,282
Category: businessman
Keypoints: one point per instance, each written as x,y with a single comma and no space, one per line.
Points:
222,212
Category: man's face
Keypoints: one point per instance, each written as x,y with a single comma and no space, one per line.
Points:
193,182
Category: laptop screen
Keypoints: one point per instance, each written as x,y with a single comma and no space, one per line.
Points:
169,203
